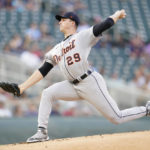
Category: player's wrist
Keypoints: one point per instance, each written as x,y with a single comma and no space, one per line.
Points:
21,88
115,16
120,14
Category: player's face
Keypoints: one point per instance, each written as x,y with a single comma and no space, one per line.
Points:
65,24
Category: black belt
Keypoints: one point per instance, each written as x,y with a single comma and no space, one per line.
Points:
81,77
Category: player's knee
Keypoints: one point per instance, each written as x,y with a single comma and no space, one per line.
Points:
46,94
115,120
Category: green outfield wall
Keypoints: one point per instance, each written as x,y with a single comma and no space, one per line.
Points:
16,130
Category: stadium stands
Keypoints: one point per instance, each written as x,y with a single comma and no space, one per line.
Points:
112,57
114,60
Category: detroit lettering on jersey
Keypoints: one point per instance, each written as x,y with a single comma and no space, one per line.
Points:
65,50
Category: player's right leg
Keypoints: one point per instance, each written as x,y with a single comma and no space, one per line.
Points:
59,91
94,90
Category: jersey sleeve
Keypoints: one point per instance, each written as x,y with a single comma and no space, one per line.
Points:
49,57
87,37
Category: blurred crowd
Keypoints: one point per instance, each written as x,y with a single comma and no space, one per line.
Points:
28,48
25,107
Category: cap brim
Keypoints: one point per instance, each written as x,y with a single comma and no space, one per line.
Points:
58,17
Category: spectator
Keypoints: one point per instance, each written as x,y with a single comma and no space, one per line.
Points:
36,50
67,5
79,7
71,111
75,6
139,78
119,41
83,25
147,49
55,109
32,111
7,48
4,111
5,95
33,33
19,5
45,33
145,57
137,45
44,30
2,3
16,44
17,111
32,5
102,71
8,4
97,19
146,86
30,59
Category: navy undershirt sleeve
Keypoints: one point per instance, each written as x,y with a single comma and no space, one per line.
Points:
101,27
45,68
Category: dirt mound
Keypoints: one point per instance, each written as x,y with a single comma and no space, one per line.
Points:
121,141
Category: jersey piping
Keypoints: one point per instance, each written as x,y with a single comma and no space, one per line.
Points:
119,116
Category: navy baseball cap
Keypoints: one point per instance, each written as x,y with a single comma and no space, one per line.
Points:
69,15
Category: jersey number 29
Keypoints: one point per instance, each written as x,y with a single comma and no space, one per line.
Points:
76,58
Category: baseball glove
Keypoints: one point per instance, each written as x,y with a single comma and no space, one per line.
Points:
10,87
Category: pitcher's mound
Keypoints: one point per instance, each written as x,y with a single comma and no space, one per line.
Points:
121,141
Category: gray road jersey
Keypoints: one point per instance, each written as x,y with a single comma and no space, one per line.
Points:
71,54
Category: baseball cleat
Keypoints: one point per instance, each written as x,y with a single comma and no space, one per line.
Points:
148,108
40,136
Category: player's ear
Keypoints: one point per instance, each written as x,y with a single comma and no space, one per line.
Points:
74,24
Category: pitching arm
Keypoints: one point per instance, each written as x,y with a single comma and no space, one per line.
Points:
109,22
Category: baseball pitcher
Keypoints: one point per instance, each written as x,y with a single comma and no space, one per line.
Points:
81,82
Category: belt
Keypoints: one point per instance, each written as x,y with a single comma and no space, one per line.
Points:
81,77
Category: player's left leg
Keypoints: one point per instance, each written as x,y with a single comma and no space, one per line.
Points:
60,91
96,93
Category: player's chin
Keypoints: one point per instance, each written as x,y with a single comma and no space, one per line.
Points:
60,28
